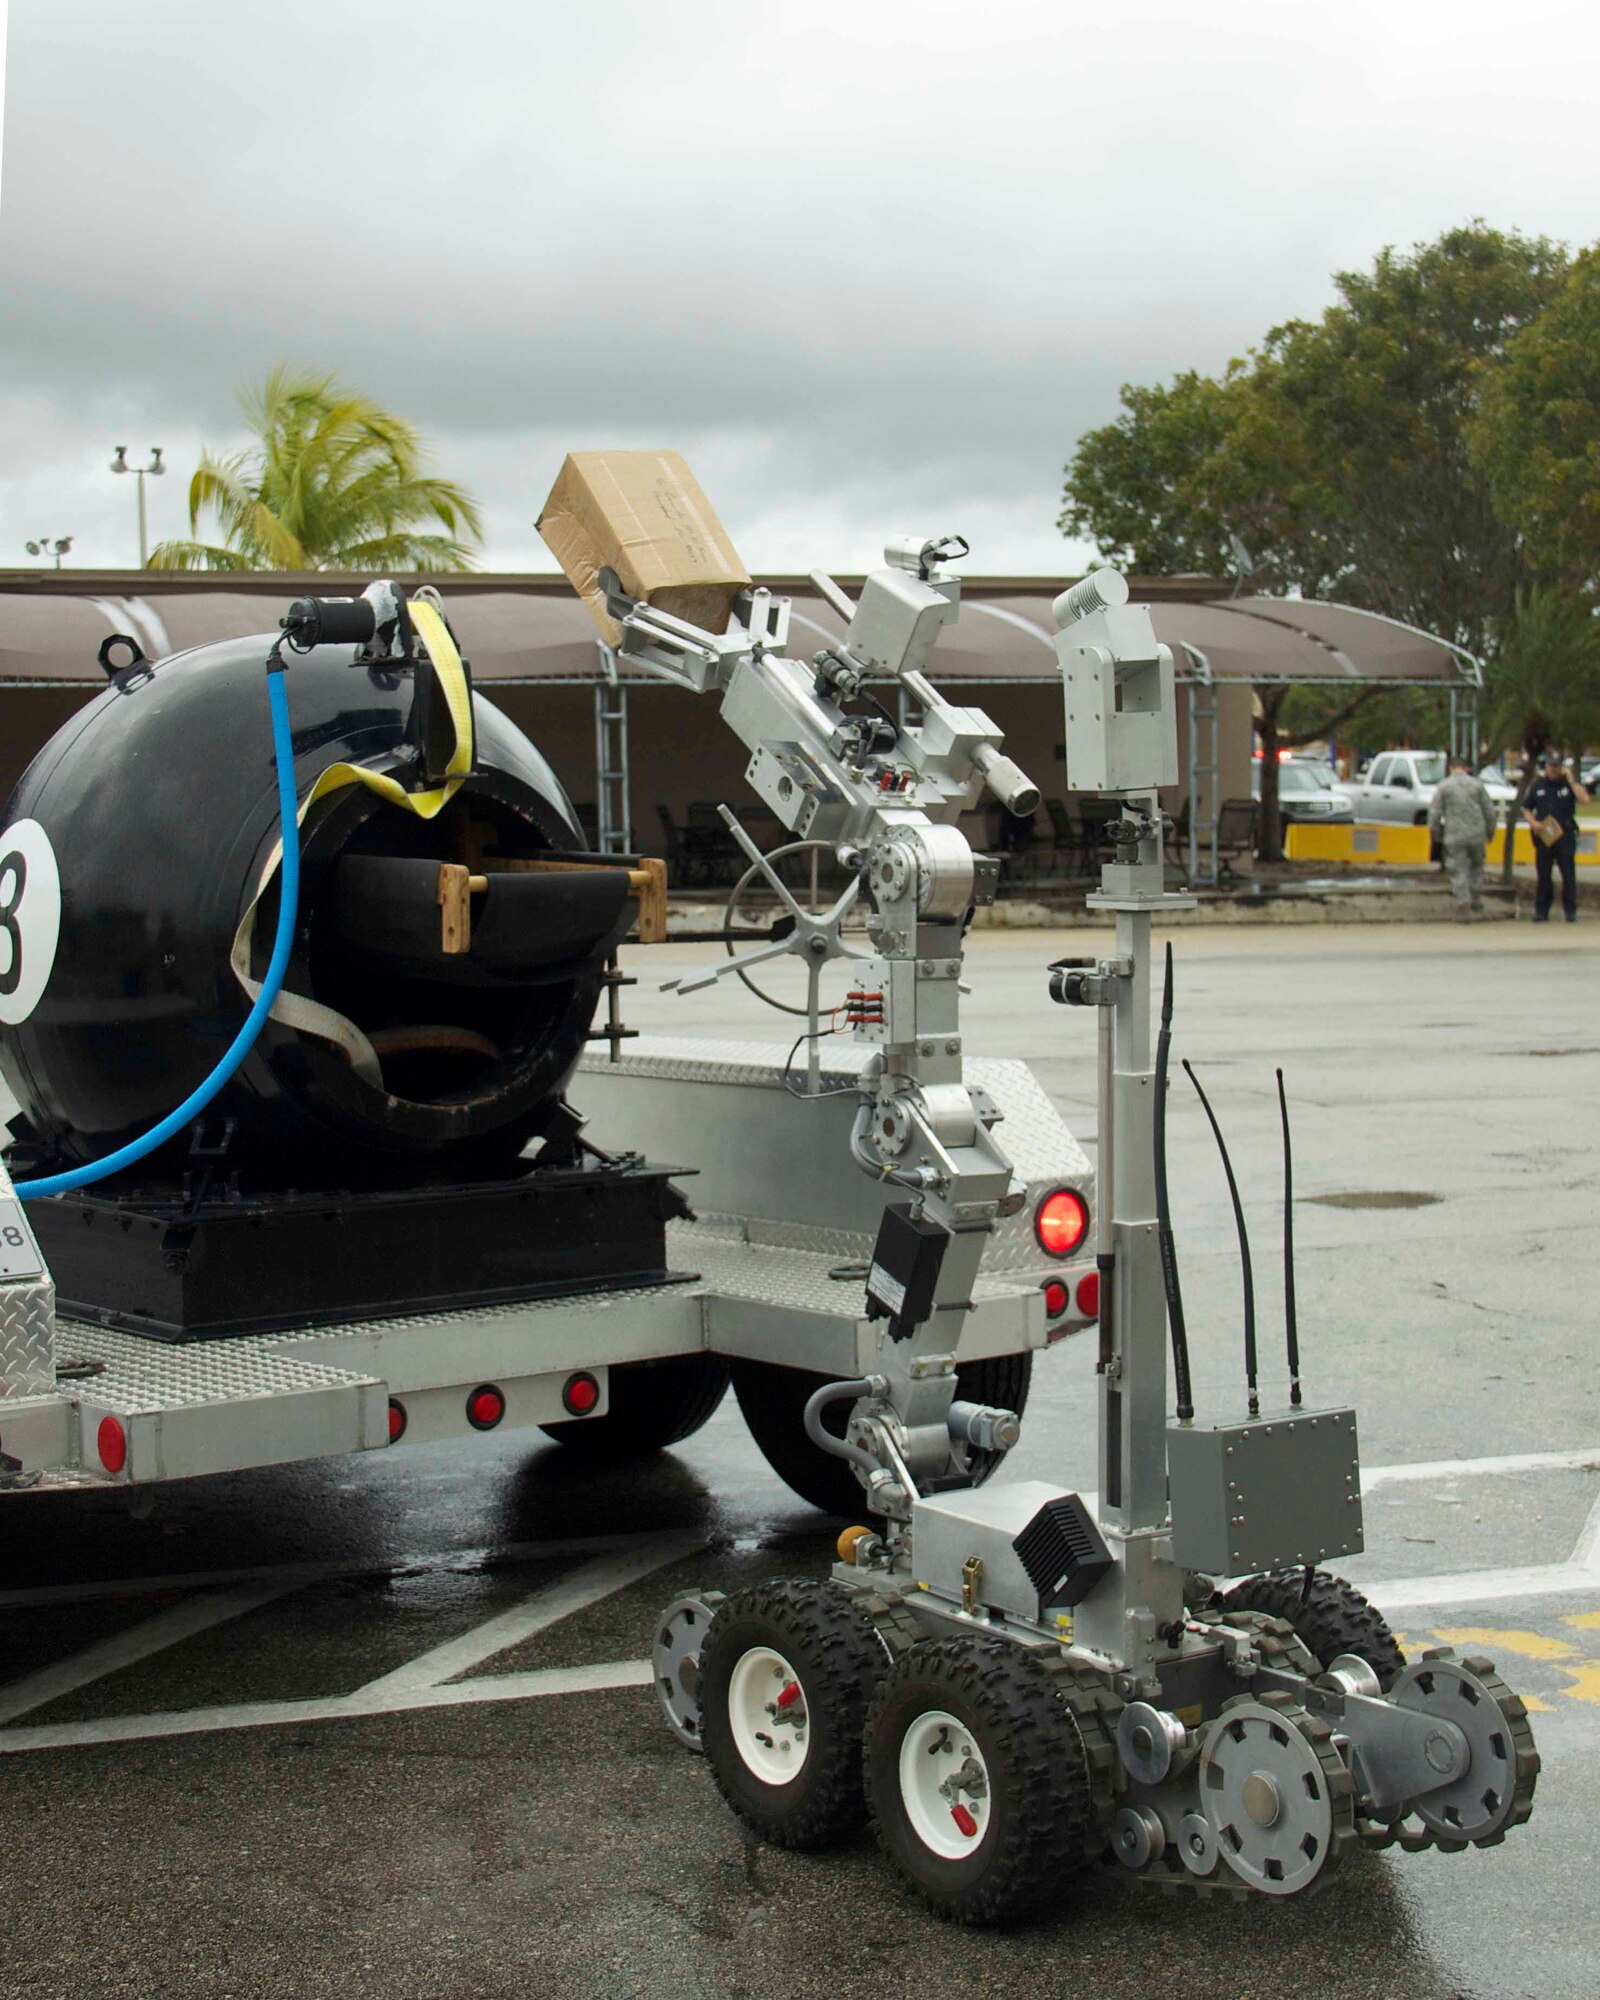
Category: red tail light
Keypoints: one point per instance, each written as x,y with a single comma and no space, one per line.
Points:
1061,1222
1089,1295
581,1394
397,1420
1056,1298
485,1407
112,1440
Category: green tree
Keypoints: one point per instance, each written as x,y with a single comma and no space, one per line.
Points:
332,481
1535,439
1145,489
1338,452
1542,683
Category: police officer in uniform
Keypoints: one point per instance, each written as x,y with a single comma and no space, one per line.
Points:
1461,817
1555,795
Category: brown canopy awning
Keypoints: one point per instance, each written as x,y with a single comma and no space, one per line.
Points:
533,629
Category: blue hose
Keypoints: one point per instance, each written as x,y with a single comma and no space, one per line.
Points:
288,903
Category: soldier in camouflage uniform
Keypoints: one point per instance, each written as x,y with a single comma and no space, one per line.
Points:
1461,816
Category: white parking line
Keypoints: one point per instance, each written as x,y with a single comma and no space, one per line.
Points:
336,1708
140,1642
595,1580
1581,1571
619,1560
418,1684
1482,1468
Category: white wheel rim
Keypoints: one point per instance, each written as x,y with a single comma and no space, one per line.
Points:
944,1785
767,1716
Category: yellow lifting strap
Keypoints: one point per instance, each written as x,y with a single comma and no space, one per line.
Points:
452,679
295,1009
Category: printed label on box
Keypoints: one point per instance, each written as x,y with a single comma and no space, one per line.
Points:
886,1290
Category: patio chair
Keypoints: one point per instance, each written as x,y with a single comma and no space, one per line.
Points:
1236,835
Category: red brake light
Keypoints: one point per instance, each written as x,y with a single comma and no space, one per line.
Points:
1089,1295
1061,1222
581,1394
485,1408
1056,1298
112,1440
397,1420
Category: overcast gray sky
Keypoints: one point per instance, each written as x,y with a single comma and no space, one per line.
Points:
873,267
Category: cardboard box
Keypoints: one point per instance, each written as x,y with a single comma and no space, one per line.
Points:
642,514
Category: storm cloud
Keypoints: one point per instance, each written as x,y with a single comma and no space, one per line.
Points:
873,268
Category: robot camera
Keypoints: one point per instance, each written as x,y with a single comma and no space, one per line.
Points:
923,555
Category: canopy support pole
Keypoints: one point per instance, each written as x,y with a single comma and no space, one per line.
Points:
1200,697
1464,724
611,775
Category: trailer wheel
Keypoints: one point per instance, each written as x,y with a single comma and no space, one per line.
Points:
1329,1619
773,1402
978,1778
653,1404
786,1672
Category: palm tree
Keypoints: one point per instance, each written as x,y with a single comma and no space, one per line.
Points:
332,481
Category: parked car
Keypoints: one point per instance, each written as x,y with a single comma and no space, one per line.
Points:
1501,789
1398,786
1304,796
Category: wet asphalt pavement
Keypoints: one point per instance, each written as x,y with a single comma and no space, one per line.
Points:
562,1843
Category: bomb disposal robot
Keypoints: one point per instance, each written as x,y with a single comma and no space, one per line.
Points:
1010,1679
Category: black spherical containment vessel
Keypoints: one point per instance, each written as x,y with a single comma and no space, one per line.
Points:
138,903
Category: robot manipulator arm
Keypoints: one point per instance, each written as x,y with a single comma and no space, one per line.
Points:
674,650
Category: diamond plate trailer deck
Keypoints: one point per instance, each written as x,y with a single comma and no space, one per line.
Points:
770,1270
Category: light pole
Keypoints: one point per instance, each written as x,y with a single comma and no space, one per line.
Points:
140,472
45,547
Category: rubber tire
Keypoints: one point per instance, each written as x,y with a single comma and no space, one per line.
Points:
653,1404
837,1657
1039,1779
773,1402
1335,1618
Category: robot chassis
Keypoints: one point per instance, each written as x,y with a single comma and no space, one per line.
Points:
1013,1680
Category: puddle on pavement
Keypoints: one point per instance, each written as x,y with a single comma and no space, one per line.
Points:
1375,1198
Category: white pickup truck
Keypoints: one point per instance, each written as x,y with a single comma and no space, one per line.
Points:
1398,787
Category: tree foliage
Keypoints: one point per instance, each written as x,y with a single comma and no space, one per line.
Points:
1344,453
1144,489
1535,439
1544,691
332,481
1338,450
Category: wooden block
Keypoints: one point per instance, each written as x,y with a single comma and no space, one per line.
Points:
647,883
455,908
652,892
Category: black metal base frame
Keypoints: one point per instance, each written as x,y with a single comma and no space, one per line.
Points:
177,1271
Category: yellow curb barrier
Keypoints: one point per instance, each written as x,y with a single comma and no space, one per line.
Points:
1411,846
1588,846
1318,843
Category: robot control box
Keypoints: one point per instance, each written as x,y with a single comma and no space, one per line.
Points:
1270,1493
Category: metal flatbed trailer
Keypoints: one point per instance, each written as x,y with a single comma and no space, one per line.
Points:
771,1270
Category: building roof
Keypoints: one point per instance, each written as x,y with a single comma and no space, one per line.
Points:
520,629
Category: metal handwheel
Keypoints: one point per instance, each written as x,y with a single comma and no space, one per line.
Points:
767,866
814,939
